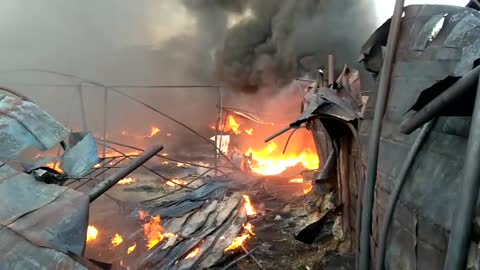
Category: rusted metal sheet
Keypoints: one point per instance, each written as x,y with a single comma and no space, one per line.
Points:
425,212
23,124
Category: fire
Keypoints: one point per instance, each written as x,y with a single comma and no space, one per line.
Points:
249,131
193,253
234,126
97,165
55,166
238,242
142,214
153,231
126,181
249,206
131,248
249,228
92,233
269,162
296,180
154,131
307,189
175,182
117,239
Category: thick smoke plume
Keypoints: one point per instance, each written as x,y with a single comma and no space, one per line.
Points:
280,40
244,45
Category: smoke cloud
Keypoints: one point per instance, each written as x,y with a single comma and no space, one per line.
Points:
249,46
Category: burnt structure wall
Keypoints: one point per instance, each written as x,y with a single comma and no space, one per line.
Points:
418,235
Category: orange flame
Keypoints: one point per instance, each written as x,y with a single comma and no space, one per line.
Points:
55,166
154,131
92,233
131,248
234,126
238,242
126,181
117,239
307,189
249,228
193,253
153,232
249,206
249,131
296,180
175,182
269,162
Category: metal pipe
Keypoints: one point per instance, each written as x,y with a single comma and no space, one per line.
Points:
461,229
112,179
442,101
277,134
402,177
331,67
372,158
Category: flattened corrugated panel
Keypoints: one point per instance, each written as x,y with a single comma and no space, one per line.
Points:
17,253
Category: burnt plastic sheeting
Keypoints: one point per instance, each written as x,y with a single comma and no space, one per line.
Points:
23,124
81,154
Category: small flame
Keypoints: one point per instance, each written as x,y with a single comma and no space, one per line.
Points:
164,154
92,233
249,131
97,165
154,131
168,134
308,189
175,182
238,242
142,214
179,164
296,180
193,253
249,206
249,228
165,162
126,181
117,239
55,166
131,248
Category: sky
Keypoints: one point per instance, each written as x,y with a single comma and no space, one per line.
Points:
384,8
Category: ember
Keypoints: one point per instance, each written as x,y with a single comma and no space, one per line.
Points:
296,180
154,131
193,253
92,233
131,248
249,131
126,181
249,206
175,182
117,239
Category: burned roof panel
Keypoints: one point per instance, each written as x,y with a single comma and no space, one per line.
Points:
23,124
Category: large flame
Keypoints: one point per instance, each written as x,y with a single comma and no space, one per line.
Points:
117,239
268,161
308,188
92,233
249,206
